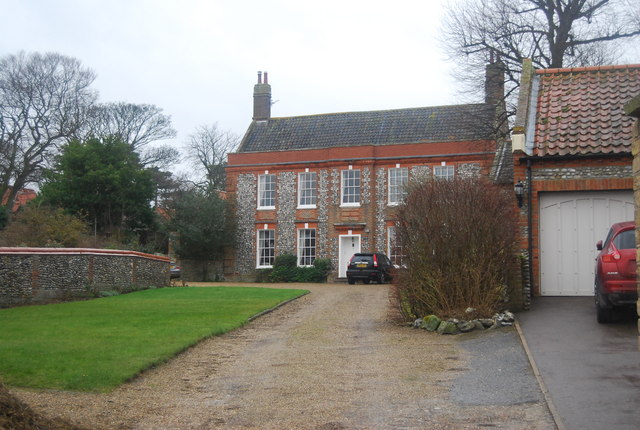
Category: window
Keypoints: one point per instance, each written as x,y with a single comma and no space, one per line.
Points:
307,189
351,187
266,248
398,178
267,191
443,172
306,246
395,251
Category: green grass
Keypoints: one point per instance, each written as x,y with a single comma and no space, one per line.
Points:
98,344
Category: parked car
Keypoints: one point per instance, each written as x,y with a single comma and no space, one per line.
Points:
174,270
615,279
367,267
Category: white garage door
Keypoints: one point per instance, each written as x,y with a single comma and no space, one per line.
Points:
570,226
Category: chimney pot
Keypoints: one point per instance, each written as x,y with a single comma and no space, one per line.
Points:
266,78
259,77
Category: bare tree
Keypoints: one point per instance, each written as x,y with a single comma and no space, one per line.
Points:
44,99
553,33
207,149
136,124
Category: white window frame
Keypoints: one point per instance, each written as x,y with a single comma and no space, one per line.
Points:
302,189
262,191
444,172
303,245
397,191
260,259
344,187
391,250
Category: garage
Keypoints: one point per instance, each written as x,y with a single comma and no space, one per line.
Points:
570,225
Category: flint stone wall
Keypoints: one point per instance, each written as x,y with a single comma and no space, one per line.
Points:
38,275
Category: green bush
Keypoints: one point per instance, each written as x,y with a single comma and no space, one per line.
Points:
285,269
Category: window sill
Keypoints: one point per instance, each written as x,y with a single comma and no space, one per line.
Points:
350,205
266,208
264,267
307,207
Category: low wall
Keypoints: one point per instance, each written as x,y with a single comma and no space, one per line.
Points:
37,275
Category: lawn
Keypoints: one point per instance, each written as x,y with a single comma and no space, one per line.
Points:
98,344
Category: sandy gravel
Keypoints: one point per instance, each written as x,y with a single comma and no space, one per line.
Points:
333,359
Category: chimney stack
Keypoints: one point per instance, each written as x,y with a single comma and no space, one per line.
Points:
262,99
494,82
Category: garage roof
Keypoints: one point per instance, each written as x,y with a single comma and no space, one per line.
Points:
581,110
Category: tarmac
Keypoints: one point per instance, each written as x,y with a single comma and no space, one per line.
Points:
589,373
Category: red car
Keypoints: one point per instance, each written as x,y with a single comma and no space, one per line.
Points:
615,283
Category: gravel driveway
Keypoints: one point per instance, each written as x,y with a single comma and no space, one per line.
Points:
333,359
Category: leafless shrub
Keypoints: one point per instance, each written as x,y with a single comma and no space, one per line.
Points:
459,237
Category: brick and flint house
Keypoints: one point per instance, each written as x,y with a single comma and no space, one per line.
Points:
325,186
572,154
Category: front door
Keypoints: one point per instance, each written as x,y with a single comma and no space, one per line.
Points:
349,245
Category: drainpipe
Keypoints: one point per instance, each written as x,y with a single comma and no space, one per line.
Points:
529,227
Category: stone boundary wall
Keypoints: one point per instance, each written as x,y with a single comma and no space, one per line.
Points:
39,275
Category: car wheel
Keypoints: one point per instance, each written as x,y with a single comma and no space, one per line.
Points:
603,314
366,281
381,278
351,281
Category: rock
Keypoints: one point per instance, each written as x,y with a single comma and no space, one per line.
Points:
466,326
506,323
447,327
417,323
431,323
486,322
469,310
478,325
508,316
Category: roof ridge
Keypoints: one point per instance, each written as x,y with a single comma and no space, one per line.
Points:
587,69
381,110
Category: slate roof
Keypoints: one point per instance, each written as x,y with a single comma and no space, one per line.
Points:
581,110
388,127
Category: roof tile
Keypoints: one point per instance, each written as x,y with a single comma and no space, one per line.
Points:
388,127
580,110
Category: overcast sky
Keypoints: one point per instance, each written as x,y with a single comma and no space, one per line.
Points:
198,60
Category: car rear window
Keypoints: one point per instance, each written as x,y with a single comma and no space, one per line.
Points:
625,240
362,259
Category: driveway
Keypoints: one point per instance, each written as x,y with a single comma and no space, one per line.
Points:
333,359
592,371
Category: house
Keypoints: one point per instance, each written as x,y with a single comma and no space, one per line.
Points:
572,153
325,186
23,197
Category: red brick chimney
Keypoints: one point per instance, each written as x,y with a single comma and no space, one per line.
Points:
262,99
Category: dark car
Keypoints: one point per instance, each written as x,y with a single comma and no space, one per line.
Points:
367,267
615,283
174,270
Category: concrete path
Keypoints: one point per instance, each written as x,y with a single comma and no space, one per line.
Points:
592,371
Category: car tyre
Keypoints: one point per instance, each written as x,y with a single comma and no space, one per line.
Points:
381,278
351,281
604,315
366,281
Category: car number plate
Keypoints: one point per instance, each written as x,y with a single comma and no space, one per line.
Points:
362,265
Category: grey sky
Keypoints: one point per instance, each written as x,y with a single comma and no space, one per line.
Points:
198,59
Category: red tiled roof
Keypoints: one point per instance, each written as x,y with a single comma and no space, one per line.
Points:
23,197
581,110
